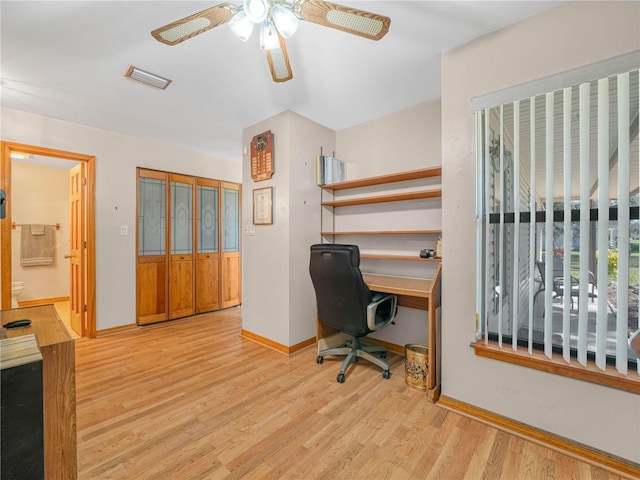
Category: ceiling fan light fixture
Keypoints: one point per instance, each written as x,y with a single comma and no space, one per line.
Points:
256,10
185,29
279,63
357,23
241,26
269,36
285,20
278,19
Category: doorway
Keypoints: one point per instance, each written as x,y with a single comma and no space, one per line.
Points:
82,233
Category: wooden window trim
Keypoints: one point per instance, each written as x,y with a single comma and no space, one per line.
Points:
556,365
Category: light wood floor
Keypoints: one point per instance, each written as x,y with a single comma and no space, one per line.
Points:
191,399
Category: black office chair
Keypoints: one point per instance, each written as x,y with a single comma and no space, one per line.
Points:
345,303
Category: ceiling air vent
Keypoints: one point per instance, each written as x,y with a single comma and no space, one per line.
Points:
134,73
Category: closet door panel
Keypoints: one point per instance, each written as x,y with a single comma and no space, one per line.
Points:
231,257
231,294
207,283
151,285
208,252
151,271
181,272
181,287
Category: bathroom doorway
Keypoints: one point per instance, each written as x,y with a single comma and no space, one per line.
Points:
75,246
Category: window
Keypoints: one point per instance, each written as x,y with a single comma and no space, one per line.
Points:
558,226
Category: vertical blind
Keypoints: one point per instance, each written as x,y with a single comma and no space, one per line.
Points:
558,227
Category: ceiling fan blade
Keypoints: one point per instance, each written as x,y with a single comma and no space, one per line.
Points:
340,17
195,24
279,62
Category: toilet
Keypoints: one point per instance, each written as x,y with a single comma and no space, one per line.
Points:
16,290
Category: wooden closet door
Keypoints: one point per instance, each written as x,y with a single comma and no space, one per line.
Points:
231,268
208,251
181,270
152,259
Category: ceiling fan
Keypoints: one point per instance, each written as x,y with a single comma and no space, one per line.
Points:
279,20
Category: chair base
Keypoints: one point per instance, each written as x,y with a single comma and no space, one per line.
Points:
354,349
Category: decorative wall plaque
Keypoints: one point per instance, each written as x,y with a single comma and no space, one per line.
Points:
262,156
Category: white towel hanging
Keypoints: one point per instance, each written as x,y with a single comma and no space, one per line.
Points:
37,229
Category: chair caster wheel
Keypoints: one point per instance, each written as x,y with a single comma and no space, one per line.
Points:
340,378
386,374
319,359
383,354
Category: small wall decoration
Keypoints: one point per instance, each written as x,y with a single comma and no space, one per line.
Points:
262,156
263,206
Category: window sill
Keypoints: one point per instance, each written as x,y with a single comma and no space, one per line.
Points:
537,360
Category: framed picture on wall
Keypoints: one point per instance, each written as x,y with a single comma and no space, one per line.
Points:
263,206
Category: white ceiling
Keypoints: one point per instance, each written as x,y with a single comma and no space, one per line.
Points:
67,59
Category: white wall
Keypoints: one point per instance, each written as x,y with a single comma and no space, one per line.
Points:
117,157
265,255
409,139
41,195
567,37
278,301
405,140
304,209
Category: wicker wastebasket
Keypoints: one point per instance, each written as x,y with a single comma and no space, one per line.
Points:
416,365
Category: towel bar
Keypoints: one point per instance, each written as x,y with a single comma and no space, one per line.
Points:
15,225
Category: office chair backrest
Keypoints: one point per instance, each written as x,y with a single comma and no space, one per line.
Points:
341,294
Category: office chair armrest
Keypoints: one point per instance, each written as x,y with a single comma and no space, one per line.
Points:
372,309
